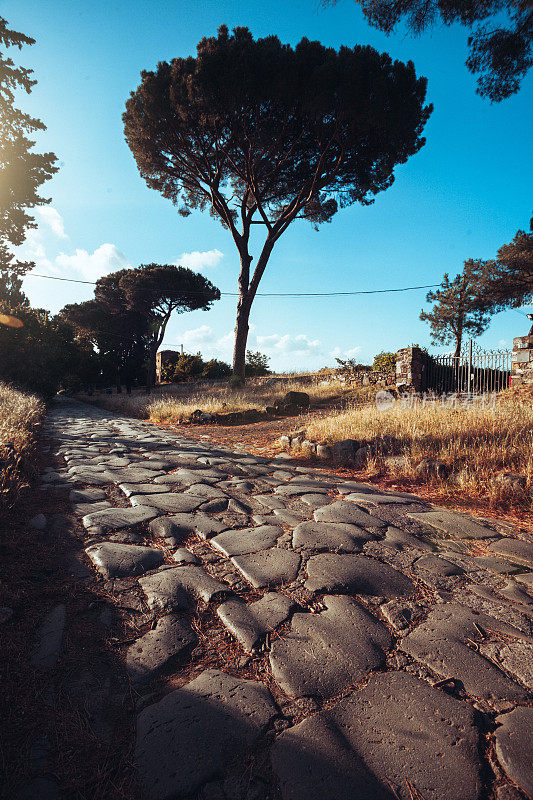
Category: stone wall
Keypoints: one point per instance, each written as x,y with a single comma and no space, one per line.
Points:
411,368
522,360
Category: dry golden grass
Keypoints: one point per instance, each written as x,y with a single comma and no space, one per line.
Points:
477,442
175,402
20,417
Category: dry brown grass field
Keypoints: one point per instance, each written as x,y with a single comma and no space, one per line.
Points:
478,442
20,418
174,403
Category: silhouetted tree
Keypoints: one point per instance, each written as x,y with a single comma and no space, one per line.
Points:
22,171
257,363
261,133
156,291
130,311
500,51
512,282
461,305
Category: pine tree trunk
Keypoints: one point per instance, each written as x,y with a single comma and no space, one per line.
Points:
241,338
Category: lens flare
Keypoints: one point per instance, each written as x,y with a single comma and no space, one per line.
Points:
11,322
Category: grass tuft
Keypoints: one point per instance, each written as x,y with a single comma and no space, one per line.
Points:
477,442
20,418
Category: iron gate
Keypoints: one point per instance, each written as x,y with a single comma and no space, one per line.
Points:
474,371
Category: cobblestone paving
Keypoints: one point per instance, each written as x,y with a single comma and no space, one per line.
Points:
393,641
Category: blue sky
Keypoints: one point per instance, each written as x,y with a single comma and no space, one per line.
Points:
466,192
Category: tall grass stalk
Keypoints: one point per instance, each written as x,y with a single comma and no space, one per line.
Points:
20,418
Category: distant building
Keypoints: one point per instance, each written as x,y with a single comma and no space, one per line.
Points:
164,357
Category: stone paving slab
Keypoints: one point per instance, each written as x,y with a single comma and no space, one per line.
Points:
272,567
189,736
344,511
514,746
247,540
113,519
81,509
445,642
168,502
159,648
394,737
167,586
325,653
143,488
516,550
250,622
438,566
119,560
401,539
338,537
375,499
455,525
49,637
356,575
86,495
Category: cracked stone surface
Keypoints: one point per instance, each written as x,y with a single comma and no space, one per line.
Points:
338,537
199,728
344,511
395,733
250,622
444,643
112,519
454,524
117,560
518,551
336,595
269,567
356,575
325,653
513,738
247,540
168,588
157,649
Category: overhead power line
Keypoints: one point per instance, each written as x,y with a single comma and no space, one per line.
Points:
264,294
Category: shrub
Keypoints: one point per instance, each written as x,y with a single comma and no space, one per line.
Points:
256,363
215,369
187,368
384,362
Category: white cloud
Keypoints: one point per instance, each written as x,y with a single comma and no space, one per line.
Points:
345,354
299,345
196,337
198,260
33,250
105,259
51,217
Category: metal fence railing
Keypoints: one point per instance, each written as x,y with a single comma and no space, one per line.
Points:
474,371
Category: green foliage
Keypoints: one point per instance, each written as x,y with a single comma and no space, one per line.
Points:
462,305
351,365
259,132
256,363
187,368
22,171
384,362
216,370
127,319
43,354
511,285
500,55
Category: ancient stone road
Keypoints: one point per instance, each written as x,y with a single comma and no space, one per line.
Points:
394,640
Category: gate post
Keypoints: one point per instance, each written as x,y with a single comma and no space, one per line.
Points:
469,372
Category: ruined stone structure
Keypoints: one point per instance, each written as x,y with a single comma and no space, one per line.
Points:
411,368
522,360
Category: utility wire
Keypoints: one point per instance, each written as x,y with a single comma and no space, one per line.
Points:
263,294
